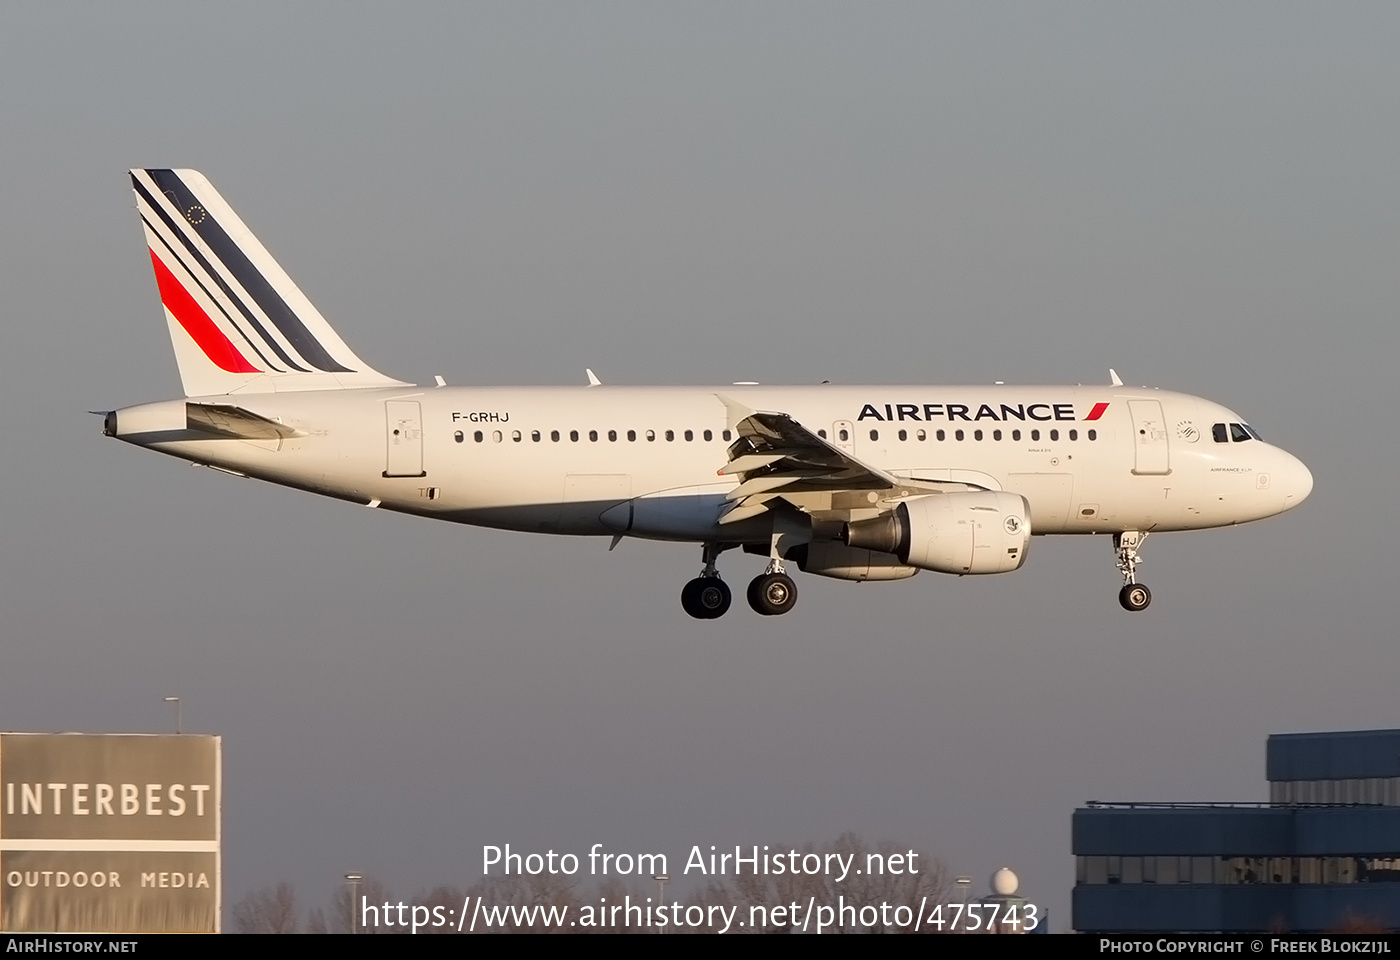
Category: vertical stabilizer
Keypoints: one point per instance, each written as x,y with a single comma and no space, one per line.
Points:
237,321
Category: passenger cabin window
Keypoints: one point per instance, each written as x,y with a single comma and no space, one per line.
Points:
942,435
535,436
631,435
670,435
726,437
904,434
708,435
843,435
921,435
554,435
593,435
874,434
651,435
478,437
515,435
612,435
458,436
1015,434
689,435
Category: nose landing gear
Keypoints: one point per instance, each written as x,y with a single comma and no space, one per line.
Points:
1134,596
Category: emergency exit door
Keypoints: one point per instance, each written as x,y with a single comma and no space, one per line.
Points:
843,436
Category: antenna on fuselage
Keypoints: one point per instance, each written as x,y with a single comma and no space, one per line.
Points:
1113,376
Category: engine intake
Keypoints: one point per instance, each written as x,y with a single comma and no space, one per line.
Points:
970,532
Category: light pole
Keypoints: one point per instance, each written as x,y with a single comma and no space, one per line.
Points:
353,881
964,883
661,880
176,701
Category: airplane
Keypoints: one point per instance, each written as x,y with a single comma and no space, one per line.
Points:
860,483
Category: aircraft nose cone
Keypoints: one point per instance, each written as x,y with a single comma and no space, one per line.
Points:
1297,482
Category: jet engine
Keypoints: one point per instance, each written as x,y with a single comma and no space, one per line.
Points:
969,532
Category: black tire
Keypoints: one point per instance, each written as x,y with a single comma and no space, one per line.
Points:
713,597
690,600
1134,597
706,598
752,594
772,594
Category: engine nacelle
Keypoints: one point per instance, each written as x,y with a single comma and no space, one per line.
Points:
970,532
826,558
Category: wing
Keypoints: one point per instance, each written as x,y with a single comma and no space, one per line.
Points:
776,458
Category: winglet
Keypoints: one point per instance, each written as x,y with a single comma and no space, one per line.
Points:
1113,375
738,413
593,380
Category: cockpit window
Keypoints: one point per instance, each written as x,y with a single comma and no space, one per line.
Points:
1252,432
1217,430
1238,433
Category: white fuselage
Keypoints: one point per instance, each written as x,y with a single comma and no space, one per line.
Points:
507,457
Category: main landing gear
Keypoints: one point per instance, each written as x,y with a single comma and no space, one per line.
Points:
772,593
1134,596
707,597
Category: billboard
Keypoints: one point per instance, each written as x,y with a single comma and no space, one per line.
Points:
109,833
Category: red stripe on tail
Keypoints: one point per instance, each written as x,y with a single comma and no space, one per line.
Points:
216,346
1097,412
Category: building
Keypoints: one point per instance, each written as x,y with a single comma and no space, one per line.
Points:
1323,854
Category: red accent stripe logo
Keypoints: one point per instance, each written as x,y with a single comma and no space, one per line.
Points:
1097,412
216,346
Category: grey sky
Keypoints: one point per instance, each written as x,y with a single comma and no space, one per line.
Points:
1203,196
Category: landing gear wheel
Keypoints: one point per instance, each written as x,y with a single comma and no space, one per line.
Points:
706,598
772,594
1134,596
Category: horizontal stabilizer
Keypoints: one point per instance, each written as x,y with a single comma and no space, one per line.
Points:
235,423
